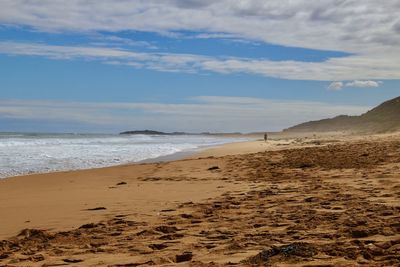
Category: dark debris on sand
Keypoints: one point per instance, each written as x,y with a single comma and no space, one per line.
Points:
303,250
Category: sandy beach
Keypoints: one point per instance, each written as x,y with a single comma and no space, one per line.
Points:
317,201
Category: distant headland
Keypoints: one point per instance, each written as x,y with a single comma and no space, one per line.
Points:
152,132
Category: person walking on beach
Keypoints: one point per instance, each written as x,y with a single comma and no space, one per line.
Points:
265,137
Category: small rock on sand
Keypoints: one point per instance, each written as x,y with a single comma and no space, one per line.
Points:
97,208
213,168
186,256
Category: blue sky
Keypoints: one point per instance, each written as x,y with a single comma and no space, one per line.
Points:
192,65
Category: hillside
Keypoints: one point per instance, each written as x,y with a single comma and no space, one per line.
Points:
383,118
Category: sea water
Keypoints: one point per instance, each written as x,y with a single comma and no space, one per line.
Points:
27,153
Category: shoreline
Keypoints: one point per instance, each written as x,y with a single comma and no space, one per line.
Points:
165,158
239,147
232,148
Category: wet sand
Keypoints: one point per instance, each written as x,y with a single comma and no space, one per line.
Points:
291,202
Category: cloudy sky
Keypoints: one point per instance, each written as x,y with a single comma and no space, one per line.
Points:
193,65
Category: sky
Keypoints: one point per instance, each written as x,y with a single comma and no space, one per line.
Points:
193,65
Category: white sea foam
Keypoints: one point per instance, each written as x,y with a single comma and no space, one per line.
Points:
38,153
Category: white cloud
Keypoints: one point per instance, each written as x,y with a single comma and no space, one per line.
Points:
335,86
332,24
364,84
369,30
110,40
349,68
227,113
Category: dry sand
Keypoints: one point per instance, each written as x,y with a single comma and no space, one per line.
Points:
333,201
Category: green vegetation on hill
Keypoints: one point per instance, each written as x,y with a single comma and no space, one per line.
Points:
383,118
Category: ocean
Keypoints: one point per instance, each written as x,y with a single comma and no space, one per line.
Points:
27,153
